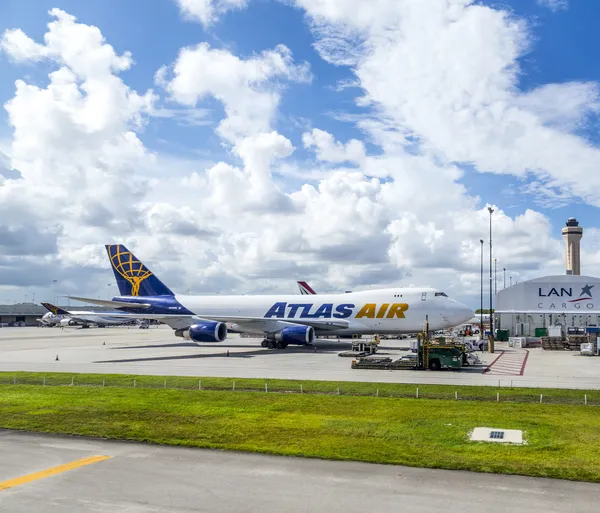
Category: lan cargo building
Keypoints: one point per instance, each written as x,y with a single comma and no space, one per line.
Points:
569,300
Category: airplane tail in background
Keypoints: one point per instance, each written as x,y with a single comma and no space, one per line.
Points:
133,277
305,288
54,309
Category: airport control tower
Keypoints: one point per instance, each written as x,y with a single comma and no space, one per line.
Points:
572,234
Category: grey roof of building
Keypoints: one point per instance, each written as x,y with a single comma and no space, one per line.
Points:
39,310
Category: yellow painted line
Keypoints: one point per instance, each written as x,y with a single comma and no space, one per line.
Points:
51,471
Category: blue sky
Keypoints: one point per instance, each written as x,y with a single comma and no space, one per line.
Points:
562,46
563,50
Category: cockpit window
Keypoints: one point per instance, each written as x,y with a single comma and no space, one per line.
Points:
441,294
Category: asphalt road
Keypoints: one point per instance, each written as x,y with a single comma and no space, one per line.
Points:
158,351
146,478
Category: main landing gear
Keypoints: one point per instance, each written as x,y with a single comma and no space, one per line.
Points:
273,344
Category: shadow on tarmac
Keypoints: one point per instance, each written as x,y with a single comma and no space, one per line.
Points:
180,344
322,347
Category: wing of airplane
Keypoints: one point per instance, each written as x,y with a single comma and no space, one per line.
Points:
275,324
252,324
114,304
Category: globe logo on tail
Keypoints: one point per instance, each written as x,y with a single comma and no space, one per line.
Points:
129,267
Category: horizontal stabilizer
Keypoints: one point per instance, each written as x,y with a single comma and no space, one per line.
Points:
114,304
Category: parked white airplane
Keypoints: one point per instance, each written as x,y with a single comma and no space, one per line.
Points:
477,319
281,320
57,315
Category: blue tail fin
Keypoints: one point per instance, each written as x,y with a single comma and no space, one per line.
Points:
133,277
54,309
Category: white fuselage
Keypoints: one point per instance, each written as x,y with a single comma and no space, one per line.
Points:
50,319
385,311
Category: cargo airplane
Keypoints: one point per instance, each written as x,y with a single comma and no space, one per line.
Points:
59,316
280,319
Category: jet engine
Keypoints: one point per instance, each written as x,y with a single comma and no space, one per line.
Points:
297,335
204,332
67,322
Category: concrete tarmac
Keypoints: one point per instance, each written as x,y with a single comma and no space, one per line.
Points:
147,478
158,351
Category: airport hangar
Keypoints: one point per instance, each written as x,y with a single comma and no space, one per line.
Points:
564,300
569,300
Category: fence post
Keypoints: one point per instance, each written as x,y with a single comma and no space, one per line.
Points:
234,386
497,396
165,383
338,390
541,397
72,380
377,394
266,389
417,392
44,380
301,391
134,383
456,395
199,384
103,382
14,380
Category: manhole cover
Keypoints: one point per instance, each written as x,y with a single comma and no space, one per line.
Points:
507,436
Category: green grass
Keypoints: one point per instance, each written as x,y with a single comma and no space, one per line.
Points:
562,439
478,393
423,433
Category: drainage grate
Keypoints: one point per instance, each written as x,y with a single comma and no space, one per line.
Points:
497,435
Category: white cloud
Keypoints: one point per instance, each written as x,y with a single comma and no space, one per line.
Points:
562,106
446,72
329,150
438,86
74,142
554,5
20,47
245,87
208,11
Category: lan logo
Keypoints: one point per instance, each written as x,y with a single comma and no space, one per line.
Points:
584,290
131,269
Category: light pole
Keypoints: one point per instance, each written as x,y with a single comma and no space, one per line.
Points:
491,343
481,294
504,269
108,289
54,282
495,276
510,280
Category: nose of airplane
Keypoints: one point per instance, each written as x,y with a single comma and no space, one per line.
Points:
460,313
